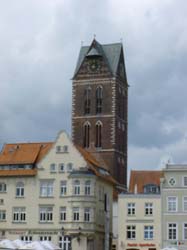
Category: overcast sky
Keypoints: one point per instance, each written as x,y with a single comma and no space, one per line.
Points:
39,45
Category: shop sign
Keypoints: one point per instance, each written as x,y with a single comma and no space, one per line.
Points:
141,245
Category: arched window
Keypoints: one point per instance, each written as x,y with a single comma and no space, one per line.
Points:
87,100
86,135
98,134
99,99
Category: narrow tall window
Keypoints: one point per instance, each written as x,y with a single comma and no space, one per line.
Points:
98,134
76,185
86,138
20,189
99,99
87,101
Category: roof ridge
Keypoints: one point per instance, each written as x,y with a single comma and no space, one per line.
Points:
23,143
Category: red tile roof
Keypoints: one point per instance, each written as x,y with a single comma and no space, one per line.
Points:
95,166
23,153
142,178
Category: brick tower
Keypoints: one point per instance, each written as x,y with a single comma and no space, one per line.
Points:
100,106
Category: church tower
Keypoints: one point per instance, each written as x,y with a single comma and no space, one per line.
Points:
100,106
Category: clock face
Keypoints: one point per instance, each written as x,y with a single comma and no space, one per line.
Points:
94,65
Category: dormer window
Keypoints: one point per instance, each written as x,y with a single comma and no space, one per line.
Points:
151,189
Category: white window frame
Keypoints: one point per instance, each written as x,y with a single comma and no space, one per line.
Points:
45,237
26,238
45,214
132,230
76,214
87,214
69,167
20,189
46,188
3,187
2,215
63,188
63,214
76,187
87,188
172,211
131,209
183,229
64,242
19,214
149,229
53,168
183,202
149,208
176,230
60,169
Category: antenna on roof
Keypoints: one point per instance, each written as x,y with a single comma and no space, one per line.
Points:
82,43
94,36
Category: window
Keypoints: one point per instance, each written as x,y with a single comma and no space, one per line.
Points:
172,231
46,214
185,181
86,135
2,215
131,232
53,167
76,214
20,189
58,149
65,242
185,231
131,208
87,214
185,204
19,214
2,187
63,214
26,238
99,97
65,148
148,208
151,189
76,187
46,188
172,204
45,237
98,138
61,167
148,232
69,167
87,100
87,189
63,188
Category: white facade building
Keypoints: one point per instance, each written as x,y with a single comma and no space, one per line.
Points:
174,206
56,192
139,212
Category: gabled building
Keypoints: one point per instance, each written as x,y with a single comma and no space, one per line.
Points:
100,106
55,191
139,212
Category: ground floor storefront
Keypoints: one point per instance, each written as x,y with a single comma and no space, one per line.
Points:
77,240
